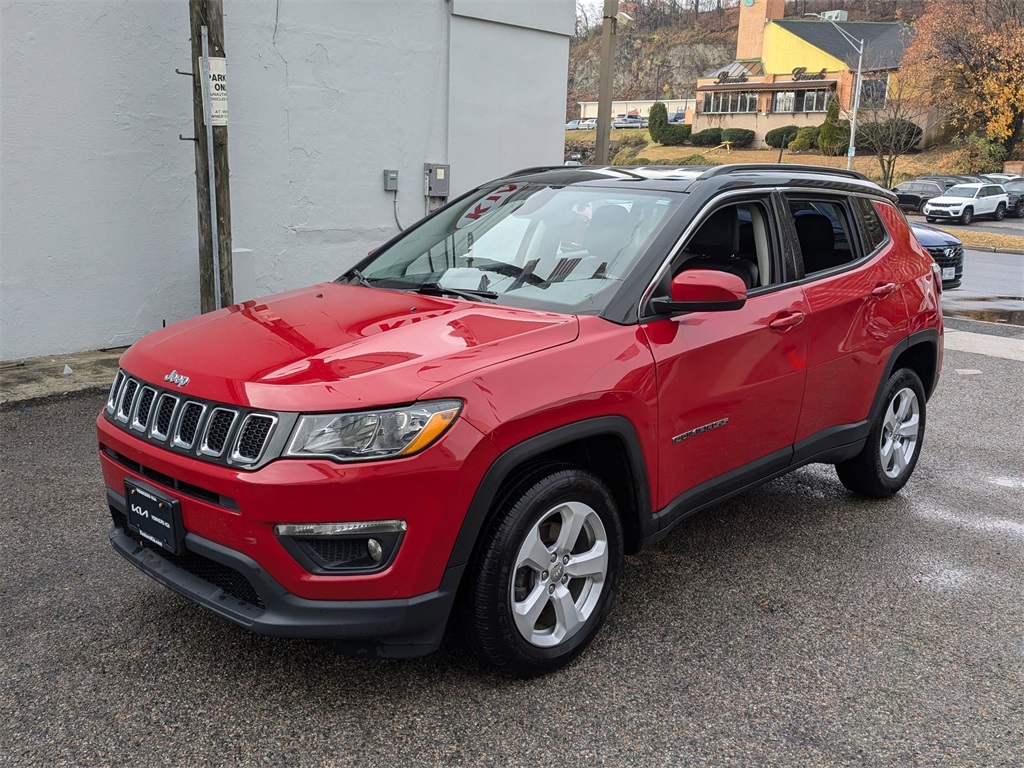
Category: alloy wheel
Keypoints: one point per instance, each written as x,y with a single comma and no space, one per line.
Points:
900,432
559,575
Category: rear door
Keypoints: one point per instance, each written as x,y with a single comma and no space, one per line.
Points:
857,311
730,383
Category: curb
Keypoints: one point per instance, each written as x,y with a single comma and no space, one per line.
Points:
990,249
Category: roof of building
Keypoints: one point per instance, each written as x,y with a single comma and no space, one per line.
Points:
744,68
884,41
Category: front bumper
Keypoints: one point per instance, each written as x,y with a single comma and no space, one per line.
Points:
235,587
942,213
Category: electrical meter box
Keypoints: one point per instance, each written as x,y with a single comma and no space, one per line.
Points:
436,179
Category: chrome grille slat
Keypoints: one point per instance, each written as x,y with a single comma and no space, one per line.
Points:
188,424
115,391
218,427
124,408
252,438
166,406
141,418
211,431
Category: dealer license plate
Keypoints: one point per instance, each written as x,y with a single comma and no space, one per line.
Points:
948,273
155,516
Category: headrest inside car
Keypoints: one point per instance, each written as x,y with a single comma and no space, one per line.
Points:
718,236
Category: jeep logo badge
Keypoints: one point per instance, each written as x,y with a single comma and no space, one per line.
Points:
176,378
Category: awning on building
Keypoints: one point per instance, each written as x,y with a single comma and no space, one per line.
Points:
789,85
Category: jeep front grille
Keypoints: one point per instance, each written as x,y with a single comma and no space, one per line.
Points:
203,429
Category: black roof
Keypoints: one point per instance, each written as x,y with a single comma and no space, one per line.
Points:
884,41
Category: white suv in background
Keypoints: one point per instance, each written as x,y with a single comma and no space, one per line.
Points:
968,201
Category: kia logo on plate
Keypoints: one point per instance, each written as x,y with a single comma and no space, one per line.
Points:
176,378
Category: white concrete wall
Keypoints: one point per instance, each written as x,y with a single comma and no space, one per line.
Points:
98,231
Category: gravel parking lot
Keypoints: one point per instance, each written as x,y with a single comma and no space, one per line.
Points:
796,625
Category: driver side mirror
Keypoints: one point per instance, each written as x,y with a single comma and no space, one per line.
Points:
702,290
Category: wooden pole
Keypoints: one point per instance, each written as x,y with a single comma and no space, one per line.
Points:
210,14
604,86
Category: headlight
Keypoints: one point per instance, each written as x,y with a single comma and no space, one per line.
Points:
366,435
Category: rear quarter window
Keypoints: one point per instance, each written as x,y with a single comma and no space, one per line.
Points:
875,234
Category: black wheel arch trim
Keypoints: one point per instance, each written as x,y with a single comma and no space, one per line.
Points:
503,467
926,336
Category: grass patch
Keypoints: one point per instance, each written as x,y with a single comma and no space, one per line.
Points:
984,239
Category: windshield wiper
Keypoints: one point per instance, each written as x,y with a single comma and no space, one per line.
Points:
360,277
436,289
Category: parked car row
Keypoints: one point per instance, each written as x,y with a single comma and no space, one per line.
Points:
620,121
963,197
589,124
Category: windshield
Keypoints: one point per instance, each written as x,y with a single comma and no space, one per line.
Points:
1014,186
564,249
961,190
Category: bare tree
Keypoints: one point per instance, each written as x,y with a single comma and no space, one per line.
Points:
894,117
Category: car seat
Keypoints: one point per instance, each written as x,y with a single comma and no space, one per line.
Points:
817,242
716,245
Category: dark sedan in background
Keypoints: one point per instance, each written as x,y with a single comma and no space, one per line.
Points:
947,251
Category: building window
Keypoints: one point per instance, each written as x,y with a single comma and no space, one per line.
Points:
729,101
872,92
801,101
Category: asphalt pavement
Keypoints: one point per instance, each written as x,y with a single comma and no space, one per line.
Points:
794,626
992,289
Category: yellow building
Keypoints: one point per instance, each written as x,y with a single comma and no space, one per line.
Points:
787,70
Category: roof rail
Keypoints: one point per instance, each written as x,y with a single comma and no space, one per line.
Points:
536,169
721,170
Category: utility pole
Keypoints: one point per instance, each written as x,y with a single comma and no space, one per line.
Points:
206,23
604,85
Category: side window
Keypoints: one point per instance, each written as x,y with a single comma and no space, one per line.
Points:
824,229
738,239
875,233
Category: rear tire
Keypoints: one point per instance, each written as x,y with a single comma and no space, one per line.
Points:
1000,212
920,208
890,454
545,574
967,216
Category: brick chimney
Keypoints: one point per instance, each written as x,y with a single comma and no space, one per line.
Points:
753,18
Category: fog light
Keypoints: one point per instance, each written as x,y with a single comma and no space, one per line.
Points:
374,548
340,548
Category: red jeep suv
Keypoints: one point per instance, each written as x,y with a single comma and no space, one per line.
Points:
494,407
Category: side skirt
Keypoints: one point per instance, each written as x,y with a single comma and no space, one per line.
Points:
830,447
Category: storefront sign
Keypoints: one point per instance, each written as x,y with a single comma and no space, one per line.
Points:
725,77
801,73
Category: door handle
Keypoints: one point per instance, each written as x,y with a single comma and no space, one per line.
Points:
786,321
884,290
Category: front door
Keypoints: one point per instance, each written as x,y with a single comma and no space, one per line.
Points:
730,384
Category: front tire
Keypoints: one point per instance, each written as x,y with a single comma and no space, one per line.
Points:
930,221
967,216
545,575
1000,212
894,443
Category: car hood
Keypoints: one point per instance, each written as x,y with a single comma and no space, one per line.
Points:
336,347
930,236
951,199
